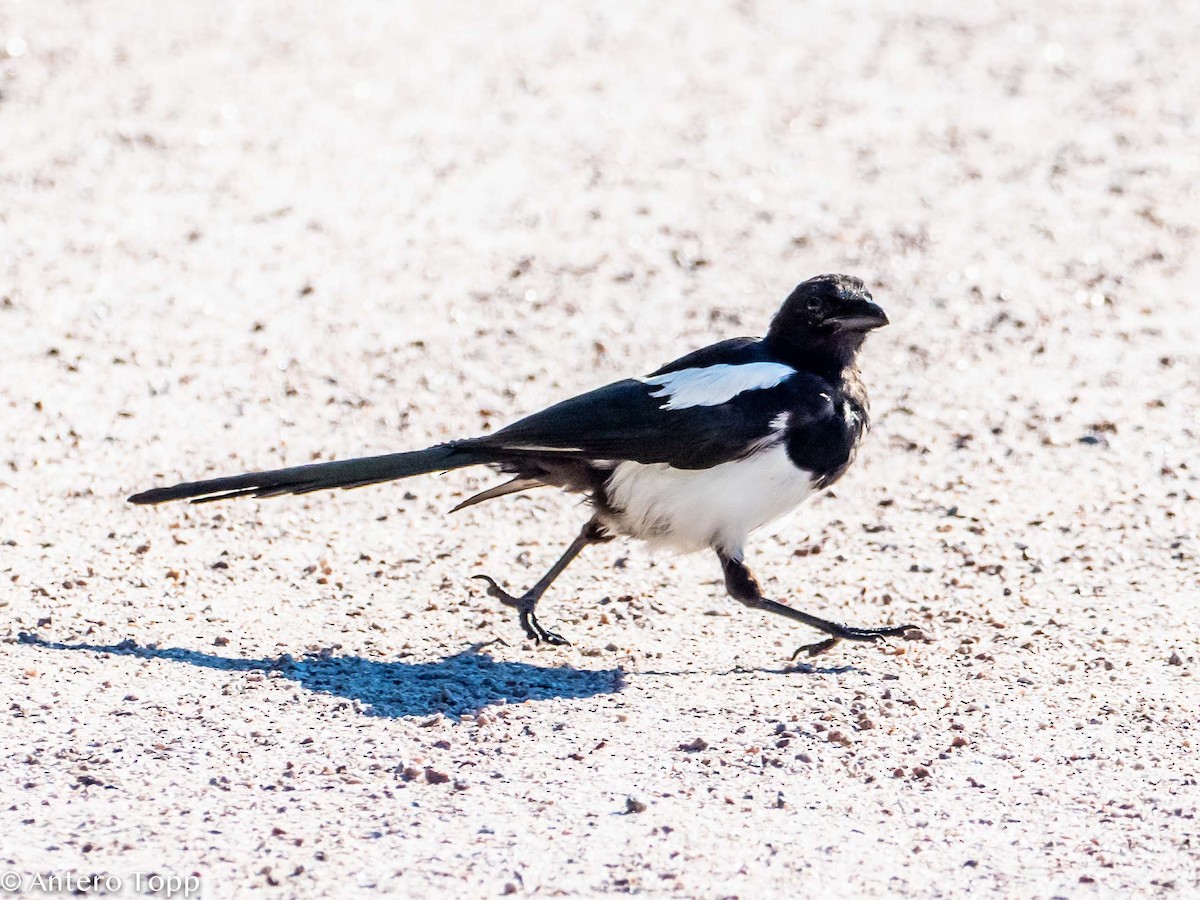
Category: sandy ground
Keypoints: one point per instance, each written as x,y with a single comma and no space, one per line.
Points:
239,235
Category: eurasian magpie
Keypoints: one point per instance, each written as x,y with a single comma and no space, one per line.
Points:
696,455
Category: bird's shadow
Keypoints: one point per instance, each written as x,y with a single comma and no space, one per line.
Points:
454,685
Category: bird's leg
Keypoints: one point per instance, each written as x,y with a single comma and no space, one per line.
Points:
743,587
592,533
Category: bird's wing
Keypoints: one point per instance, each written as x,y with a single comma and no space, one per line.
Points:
691,418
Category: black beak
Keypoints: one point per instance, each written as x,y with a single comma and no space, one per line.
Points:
865,316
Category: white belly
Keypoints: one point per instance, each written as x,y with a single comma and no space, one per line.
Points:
691,509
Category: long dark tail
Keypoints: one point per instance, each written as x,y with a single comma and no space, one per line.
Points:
345,473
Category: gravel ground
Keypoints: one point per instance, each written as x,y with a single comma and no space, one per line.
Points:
240,235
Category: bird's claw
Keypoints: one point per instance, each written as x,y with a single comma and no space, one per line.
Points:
816,649
541,635
524,606
494,590
850,633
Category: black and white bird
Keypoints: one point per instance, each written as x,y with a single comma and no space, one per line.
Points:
697,455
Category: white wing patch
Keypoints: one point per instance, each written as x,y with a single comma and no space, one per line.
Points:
714,385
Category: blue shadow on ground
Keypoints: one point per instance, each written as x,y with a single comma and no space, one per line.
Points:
458,684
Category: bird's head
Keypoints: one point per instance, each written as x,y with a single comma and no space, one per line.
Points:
825,319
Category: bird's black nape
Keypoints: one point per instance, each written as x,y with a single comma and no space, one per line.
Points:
823,322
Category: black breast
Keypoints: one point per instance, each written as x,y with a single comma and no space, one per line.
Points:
826,447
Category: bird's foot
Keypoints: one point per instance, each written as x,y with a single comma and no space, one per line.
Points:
839,633
524,606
